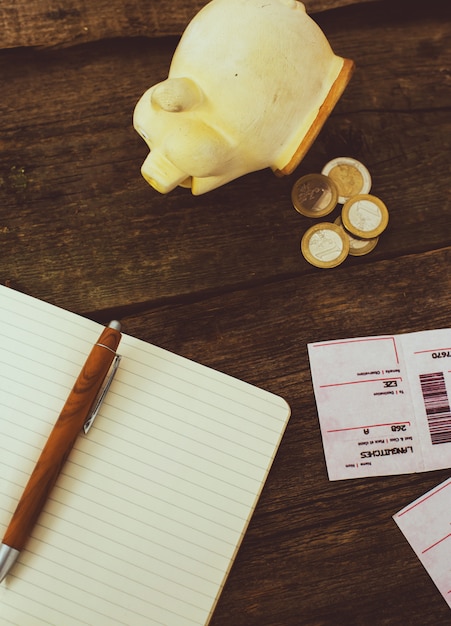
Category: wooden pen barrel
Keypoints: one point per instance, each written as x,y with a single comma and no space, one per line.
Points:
62,438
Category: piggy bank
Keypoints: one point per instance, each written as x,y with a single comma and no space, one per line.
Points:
249,87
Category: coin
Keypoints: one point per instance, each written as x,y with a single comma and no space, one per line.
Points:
357,246
325,245
350,176
365,216
314,195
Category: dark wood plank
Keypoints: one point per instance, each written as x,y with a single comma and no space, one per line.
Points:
317,552
220,279
70,160
49,23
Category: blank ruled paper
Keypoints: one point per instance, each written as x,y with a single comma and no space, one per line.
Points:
148,513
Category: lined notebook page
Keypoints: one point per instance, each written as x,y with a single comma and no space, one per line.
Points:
151,506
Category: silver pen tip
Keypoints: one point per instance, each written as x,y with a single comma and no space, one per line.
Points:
8,557
115,324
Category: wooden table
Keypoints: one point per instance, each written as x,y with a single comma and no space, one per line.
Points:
219,278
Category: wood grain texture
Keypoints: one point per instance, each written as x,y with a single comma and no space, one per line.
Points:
317,552
70,161
219,278
50,23
61,439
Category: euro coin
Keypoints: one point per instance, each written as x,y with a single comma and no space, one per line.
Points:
351,177
314,195
365,216
357,246
325,245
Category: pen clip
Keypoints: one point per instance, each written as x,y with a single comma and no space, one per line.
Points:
101,397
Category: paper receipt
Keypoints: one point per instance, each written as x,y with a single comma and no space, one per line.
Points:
384,403
426,524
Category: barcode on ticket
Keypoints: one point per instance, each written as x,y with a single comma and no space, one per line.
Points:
436,403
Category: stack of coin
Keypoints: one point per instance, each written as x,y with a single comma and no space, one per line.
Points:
357,246
363,218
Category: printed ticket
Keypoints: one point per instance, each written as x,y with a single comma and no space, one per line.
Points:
383,403
426,524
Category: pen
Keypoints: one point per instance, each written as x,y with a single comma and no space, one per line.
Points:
79,411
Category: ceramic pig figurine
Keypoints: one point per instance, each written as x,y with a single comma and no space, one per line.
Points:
250,85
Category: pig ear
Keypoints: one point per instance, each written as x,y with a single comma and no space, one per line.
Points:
176,94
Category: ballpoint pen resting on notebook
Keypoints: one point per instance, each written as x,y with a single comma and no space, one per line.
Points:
79,411
149,511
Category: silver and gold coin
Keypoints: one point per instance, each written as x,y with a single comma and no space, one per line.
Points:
357,246
314,195
365,216
325,245
350,176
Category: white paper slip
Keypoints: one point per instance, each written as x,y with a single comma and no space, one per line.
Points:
383,403
426,524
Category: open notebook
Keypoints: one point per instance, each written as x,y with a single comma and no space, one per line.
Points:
149,511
